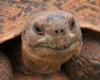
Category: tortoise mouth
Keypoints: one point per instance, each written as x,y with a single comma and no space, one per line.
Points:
60,49
68,47
65,47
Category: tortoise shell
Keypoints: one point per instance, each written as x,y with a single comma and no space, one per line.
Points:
15,13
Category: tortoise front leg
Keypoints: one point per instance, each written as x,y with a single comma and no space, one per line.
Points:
53,76
5,68
87,65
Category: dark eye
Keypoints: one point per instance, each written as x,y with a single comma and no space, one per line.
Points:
38,29
72,24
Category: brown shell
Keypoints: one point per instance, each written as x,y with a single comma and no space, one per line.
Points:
15,13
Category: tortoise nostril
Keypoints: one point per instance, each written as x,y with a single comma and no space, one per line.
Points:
62,30
59,31
56,31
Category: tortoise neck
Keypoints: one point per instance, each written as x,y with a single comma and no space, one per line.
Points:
25,62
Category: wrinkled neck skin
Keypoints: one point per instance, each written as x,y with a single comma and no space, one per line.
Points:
44,61
38,59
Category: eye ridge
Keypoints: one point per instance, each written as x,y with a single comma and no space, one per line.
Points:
72,24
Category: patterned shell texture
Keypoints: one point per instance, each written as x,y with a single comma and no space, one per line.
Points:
15,13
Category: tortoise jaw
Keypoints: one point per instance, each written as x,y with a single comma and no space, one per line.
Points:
59,49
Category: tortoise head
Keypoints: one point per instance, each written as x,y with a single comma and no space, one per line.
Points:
50,39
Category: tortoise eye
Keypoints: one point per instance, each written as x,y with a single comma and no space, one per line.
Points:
72,24
38,29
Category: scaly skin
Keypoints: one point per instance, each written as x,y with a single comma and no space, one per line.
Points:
87,65
5,68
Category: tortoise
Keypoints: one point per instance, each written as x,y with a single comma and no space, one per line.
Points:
47,36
